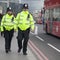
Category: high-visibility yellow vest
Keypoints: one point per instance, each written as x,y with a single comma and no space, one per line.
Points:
7,22
23,21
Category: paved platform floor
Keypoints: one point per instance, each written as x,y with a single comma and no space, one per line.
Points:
14,55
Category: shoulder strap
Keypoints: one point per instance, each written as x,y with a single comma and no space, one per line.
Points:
12,19
28,16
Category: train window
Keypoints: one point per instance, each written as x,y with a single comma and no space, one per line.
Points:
56,14
46,14
51,14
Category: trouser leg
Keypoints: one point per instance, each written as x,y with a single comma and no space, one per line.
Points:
9,43
19,44
25,45
25,42
1,33
10,37
20,38
6,35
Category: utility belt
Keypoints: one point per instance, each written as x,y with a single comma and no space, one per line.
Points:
7,29
23,30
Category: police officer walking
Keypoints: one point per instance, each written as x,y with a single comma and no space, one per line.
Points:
25,23
7,26
1,15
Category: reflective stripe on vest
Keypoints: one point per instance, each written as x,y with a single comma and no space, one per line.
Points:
7,23
27,20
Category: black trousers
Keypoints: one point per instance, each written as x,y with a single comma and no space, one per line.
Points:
23,35
8,37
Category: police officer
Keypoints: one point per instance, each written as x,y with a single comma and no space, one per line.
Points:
1,15
25,22
7,25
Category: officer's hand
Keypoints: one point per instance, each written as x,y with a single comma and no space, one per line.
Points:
32,30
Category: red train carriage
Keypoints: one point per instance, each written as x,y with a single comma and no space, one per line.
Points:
52,17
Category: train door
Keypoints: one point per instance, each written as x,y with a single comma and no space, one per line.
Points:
46,21
56,21
50,20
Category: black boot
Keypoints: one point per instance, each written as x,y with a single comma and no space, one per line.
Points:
6,51
24,53
19,50
9,50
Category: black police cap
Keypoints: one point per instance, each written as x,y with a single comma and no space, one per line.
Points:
9,9
25,6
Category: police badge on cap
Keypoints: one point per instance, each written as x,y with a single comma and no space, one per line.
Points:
25,6
9,9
